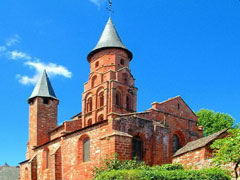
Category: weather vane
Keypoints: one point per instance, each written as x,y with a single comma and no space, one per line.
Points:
109,8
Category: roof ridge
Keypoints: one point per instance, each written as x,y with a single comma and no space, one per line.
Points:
169,99
199,142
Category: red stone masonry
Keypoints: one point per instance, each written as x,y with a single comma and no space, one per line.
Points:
108,124
42,119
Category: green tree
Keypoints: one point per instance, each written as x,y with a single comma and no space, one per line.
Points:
213,121
227,150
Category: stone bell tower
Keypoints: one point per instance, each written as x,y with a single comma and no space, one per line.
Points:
43,105
110,89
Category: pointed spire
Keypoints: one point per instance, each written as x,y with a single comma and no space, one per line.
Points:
43,88
109,39
6,165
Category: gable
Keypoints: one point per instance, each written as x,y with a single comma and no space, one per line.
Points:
176,106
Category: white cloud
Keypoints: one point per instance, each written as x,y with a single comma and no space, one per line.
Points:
97,2
51,68
13,40
15,55
32,62
27,80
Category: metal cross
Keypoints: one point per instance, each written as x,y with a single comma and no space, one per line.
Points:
109,8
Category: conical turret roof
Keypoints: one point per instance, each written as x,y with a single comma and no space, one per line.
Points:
109,39
43,88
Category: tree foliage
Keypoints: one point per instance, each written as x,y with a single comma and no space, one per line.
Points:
213,121
227,150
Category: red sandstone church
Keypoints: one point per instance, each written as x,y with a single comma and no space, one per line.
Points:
107,124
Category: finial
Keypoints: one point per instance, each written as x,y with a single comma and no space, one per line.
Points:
109,8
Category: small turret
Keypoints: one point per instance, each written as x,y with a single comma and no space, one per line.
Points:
43,88
43,105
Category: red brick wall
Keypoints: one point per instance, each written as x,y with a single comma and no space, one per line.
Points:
112,134
194,158
108,78
42,119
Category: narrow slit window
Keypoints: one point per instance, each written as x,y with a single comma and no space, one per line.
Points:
101,99
128,102
97,64
118,99
122,62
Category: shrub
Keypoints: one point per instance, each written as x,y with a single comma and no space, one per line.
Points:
113,163
168,167
113,169
137,174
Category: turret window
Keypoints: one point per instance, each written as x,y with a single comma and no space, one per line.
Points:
97,64
45,101
128,103
101,99
125,78
118,98
89,104
94,81
30,101
122,62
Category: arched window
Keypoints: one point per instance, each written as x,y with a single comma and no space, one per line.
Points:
118,98
101,99
128,103
86,150
45,158
94,81
26,174
175,143
89,122
89,104
100,118
137,148
125,78
58,164
34,168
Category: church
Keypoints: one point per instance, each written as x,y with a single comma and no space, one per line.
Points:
108,123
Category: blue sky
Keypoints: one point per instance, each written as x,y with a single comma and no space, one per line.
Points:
188,48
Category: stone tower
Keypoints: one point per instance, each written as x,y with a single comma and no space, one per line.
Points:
43,105
110,89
